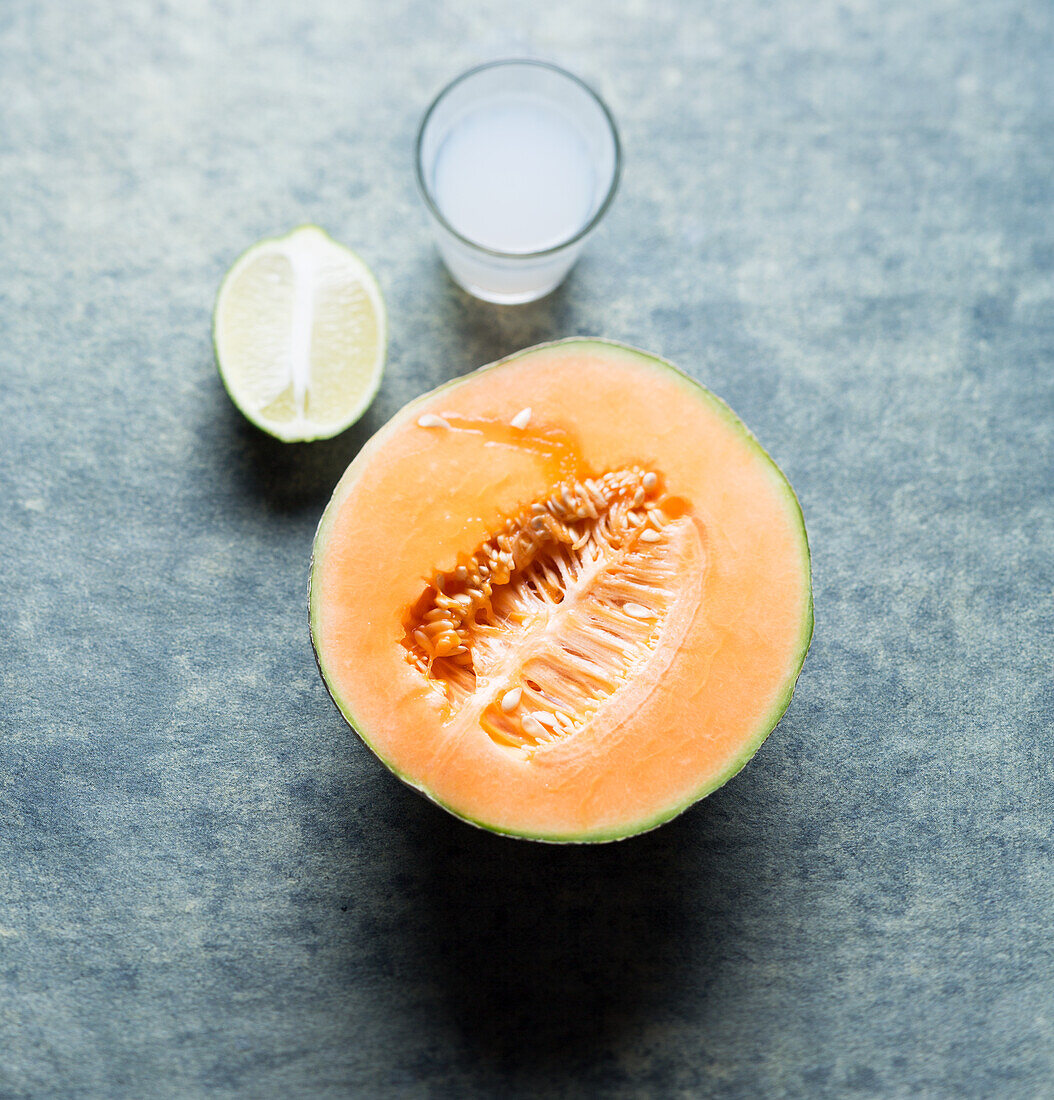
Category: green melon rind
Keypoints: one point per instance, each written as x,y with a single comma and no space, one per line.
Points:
382,316
766,726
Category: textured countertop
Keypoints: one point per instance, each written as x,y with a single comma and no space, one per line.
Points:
840,217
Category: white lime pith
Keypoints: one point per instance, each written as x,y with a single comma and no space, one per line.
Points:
300,333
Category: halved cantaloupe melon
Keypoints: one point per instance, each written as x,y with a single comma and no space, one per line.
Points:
565,596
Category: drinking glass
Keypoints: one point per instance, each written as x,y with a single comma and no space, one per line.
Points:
517,162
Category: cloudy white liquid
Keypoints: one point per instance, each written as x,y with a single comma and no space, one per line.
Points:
515,176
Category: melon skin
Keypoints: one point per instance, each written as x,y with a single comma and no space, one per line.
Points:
762,725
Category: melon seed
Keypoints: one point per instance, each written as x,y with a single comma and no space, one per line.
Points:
522,418
532,727
430,420
511,699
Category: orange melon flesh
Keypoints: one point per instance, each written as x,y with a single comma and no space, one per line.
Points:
712,683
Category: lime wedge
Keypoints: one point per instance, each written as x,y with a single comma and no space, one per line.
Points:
300,334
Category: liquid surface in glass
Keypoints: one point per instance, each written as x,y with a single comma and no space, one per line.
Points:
515,175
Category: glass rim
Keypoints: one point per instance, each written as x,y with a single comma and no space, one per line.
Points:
601,210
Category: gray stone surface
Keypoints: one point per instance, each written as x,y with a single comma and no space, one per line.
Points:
838,216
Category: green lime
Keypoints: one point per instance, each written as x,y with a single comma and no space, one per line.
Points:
300,333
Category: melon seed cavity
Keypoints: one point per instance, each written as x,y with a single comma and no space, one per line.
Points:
550,615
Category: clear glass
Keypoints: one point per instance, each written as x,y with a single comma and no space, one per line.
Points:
518,245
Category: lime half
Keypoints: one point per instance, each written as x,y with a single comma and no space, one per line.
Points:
300,333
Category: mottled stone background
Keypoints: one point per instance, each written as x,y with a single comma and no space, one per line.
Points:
840,216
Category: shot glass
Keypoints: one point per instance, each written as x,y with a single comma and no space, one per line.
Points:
517,162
